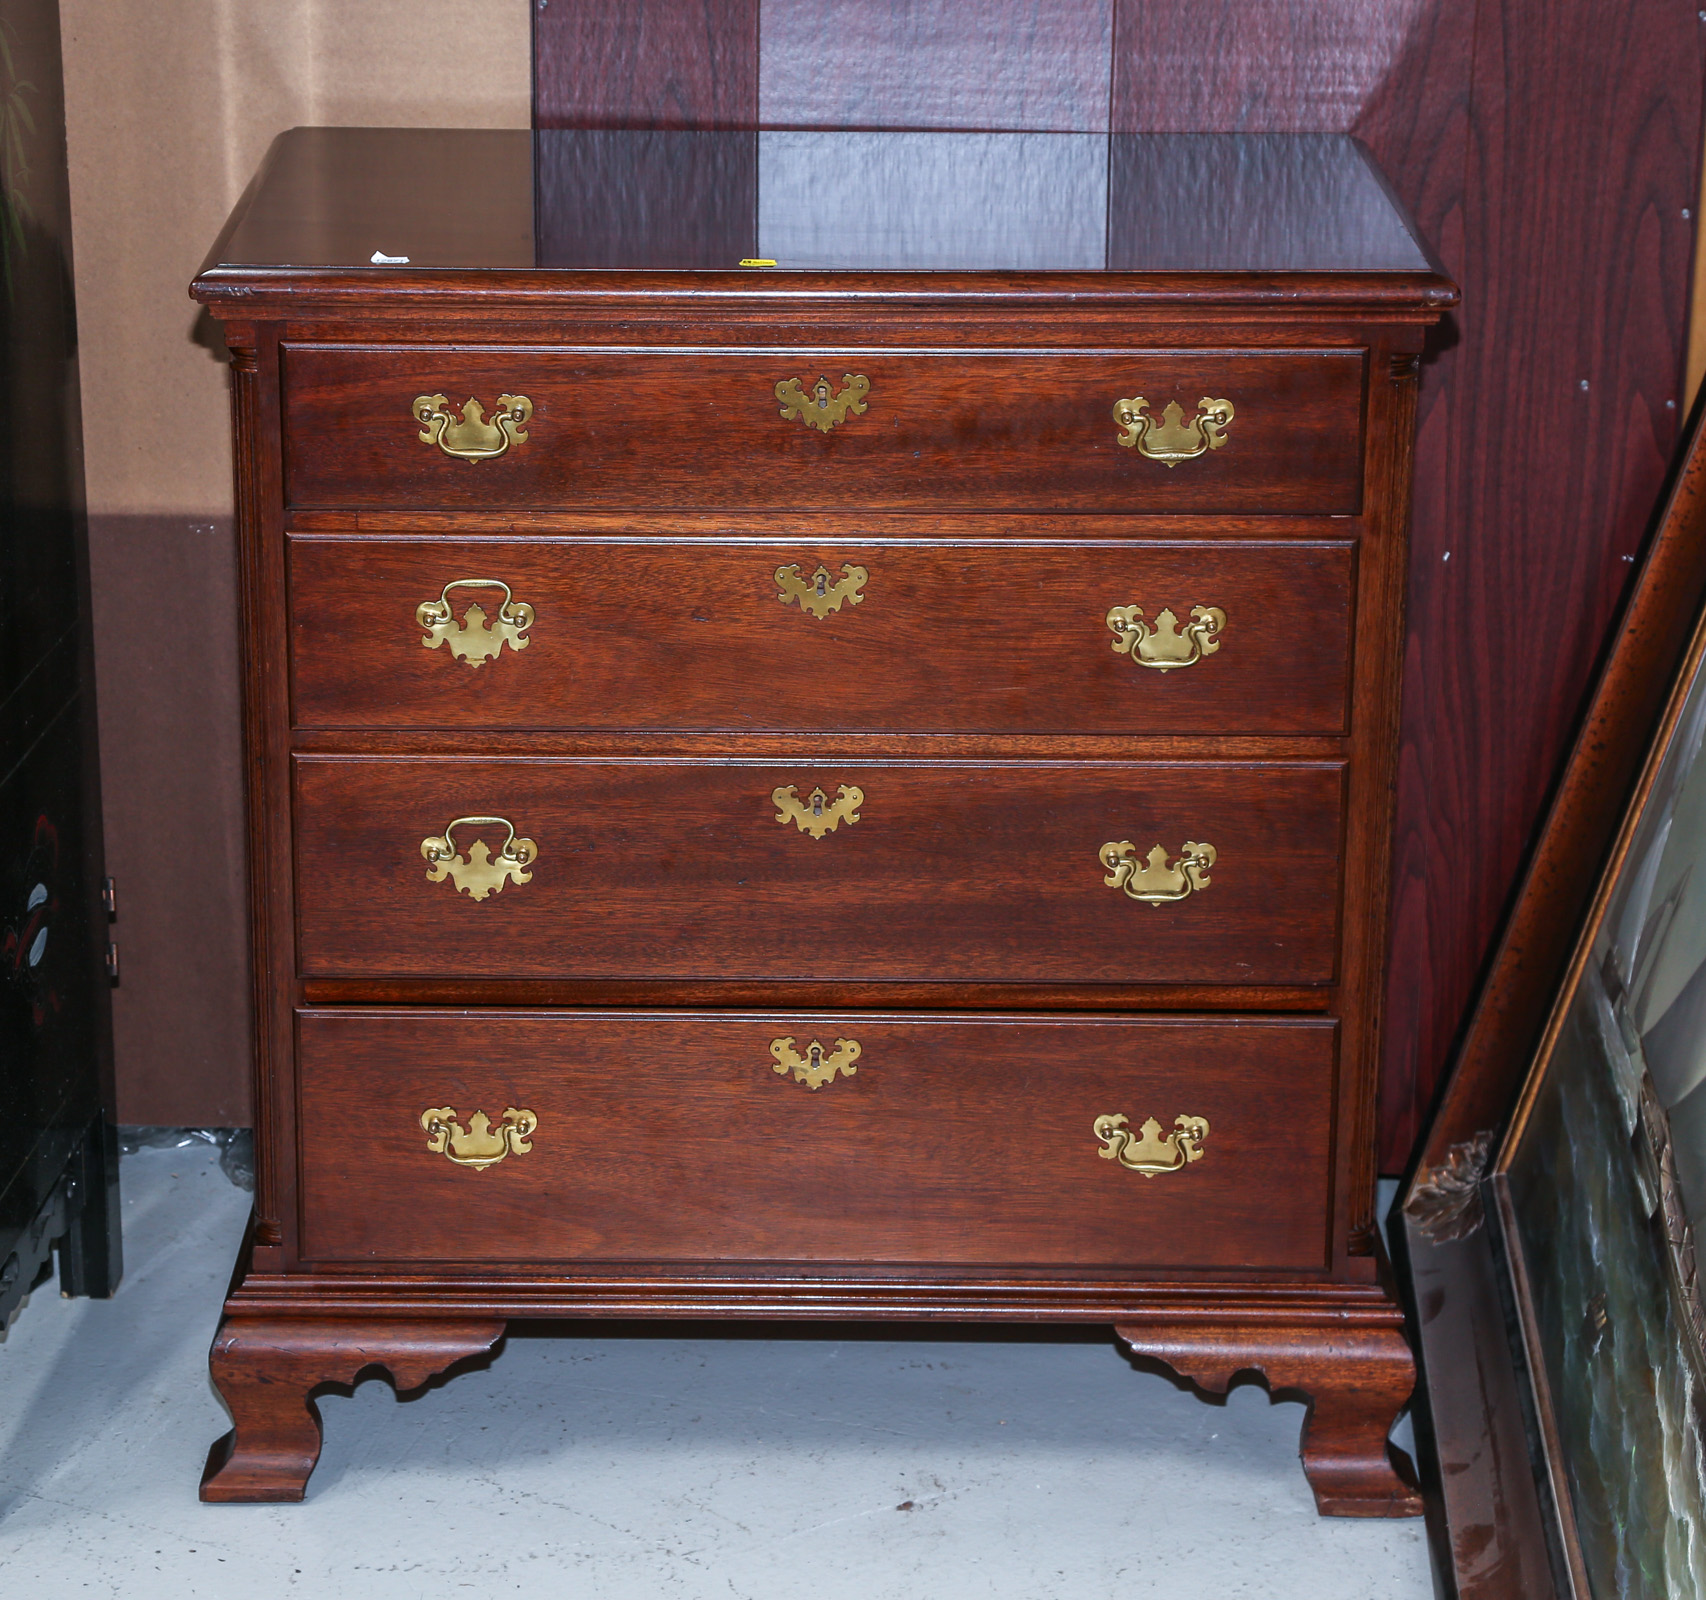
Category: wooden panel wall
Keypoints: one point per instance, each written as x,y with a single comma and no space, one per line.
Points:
1550,150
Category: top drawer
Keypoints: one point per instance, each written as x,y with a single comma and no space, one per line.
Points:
391,427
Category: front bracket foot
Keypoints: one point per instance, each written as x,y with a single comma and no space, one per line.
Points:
1356,1380
266,1368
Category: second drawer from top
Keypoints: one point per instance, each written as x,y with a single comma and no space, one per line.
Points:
1104,639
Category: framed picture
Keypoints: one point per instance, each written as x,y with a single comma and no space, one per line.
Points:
1548,1236
1599,1192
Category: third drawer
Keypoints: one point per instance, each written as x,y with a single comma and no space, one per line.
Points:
1098,639
1126,872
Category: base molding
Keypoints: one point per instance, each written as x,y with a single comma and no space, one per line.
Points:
1356,1380
266,1370
1340,1345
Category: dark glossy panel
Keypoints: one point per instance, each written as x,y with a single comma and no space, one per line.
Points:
663,199
646,64
435,197
55,1046
856,201
1040,64
51,1013
964,1140
999,637
975,430
955,871
1281,204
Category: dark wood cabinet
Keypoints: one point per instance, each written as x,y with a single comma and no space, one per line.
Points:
848,780
58,1142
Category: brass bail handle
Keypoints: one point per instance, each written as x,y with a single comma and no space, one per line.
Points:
1156,879
479,873
1149,1151
1169,438
1163,645
508,851
517,614
466,434
475,639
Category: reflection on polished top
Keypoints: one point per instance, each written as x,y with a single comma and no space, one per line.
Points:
482,200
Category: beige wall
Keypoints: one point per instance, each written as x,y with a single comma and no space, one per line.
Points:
170,105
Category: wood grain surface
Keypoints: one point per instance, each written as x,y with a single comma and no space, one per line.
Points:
666,428
955,870
670,1137
1003,637
1581,171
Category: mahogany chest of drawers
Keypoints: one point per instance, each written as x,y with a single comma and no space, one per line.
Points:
819,747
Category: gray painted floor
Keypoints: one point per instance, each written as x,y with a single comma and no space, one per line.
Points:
649,1468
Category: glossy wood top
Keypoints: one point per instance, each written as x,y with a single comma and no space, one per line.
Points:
626,200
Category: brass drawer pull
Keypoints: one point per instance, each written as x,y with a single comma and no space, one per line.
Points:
1151,1153
1155,882
1163,646
479,1145
477,874
474,639
1171,439
819,594
817,1066
473,438
823,407
817,814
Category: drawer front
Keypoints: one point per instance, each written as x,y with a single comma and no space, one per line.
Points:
750,638
615,429
673,1138
673,868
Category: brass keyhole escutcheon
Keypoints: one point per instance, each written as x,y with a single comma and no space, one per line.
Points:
817,814
817,1066
824,407
821,593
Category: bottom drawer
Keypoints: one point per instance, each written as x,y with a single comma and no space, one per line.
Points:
496,1139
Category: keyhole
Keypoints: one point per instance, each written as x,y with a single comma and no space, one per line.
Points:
816,1053
817,805
822,581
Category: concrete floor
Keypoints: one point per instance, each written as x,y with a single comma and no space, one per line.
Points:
649,1468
